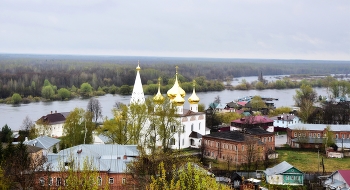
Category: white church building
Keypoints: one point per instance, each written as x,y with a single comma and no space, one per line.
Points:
193,122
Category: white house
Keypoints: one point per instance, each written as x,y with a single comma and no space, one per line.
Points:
52,124
338,180
285,120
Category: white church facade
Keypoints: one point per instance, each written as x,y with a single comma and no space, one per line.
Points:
192,122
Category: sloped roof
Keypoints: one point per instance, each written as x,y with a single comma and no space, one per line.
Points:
253,120
346,175
54,118
194,134
106,157
44,142
278,169
228,135
320,127
284,117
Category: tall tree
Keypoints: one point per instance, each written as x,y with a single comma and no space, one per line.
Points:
116,129
257,103
95,108
305,92
78,128
6,134
85,89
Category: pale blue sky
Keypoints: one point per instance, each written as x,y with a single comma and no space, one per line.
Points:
273,29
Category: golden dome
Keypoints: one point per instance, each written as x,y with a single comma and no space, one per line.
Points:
173,91
179,100
193,99
138,68
158,98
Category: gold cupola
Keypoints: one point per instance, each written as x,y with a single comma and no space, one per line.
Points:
193,99
158,98
179,100
172,92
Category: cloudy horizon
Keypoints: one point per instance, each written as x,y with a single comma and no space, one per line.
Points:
251,29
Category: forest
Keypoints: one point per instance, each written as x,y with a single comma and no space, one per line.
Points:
26,75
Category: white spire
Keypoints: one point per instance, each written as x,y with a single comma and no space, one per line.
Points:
137,97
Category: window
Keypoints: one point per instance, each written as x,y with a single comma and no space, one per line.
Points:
242,147
183,128
314,135
199,126
310,135
295,134
50,181
299,134
217,145
42,181
172,141
123,180
183,142
99,180
343,136
336,136
173,128
58,181
192,127
111,180
318,135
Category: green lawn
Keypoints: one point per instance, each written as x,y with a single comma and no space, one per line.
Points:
309,162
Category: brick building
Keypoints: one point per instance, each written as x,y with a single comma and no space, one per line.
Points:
109,161
237,146
313,135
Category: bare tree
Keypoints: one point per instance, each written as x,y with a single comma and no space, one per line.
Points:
27,124
95,108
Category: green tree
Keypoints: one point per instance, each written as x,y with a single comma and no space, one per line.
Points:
166,122
64,93
6,134
16,98
189,176
306,110
80,177
78,128
116,129
125,90
226,118
201,107
47,92
306,92
279,111
328,140
85,89
257,103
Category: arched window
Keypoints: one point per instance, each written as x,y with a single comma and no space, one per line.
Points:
192,127
99,180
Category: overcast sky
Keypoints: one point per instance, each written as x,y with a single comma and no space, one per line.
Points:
272,29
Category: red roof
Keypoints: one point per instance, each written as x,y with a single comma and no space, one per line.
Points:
243,103
253,120
346,175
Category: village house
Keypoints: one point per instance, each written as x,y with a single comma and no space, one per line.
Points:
285,120
110,161
48,144
313,135
253,122
339,179
284,174
52,124
236,146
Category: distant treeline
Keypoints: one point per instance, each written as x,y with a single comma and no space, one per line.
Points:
25,74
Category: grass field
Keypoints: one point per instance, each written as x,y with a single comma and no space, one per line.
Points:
306,161
309,161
